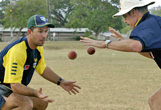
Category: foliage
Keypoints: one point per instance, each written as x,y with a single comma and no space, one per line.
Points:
126,28
96,16
88,33
116,2
3,4
77,38
60,11
157,12
17,14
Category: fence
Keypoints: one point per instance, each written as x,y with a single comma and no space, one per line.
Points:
61,34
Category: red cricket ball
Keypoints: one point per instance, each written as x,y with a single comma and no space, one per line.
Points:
72,55
91,50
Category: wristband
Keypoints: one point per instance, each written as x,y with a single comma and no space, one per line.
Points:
107,42
59,81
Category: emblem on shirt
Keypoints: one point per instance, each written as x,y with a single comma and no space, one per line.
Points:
26,67
35,59
35,63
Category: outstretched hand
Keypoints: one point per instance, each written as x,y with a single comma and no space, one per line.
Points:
70,86
43,97
90,42
115,34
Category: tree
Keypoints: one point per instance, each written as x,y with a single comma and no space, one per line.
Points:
157,12
18,13
95,15
3,4
116,2
60,11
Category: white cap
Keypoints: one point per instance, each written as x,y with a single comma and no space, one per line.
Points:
128,5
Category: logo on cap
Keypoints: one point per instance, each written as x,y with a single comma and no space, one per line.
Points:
43,19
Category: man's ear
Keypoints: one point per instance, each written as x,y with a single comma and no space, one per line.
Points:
29,31
133,11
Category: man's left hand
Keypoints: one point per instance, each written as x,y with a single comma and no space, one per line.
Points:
70,86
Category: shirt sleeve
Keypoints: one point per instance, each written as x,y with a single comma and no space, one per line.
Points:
147,36
138,39
41,64
14,62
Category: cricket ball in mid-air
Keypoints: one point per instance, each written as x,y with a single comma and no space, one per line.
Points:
91,50
72,55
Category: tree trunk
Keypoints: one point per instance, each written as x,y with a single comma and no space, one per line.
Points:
19,33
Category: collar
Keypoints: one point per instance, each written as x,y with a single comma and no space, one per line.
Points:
142,18
28,47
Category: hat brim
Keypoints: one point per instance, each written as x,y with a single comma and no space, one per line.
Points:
122,12
47,24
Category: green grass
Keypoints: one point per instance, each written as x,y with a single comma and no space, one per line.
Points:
110,80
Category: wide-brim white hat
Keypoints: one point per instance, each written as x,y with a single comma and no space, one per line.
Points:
128,5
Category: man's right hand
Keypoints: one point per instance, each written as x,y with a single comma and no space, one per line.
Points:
42,96
116,34
90,42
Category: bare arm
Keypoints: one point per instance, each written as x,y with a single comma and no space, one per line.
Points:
69,86
23,90
127,45
27,91
50,75
119,37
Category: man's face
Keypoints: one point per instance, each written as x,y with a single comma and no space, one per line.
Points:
130,19
38,36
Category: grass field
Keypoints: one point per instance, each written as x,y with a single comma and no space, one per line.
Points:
110,80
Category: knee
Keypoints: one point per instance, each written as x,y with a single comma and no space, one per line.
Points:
23,101
42,106
150,101
27,103
45,105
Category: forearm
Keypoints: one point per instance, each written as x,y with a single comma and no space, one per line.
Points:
50,75
127,45
23,90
